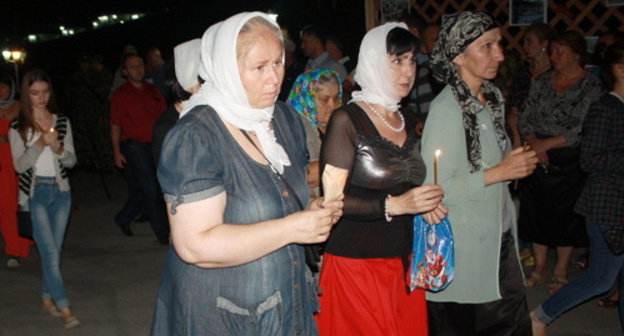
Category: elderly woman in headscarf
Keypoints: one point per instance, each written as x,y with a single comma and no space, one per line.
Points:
363,286
233,174
466,123
315,95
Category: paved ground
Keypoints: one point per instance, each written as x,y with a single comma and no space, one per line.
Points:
111,279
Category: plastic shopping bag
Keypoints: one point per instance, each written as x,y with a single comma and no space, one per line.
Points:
433,258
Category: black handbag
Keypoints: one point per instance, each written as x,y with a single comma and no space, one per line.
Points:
24,224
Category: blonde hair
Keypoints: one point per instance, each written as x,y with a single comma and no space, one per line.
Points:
244,40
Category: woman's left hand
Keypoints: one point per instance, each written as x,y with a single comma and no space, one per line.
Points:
51,139
543,158
538,145
436,215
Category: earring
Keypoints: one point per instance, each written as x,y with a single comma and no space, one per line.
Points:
543,49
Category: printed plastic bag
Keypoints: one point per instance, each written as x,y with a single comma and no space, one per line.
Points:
433,258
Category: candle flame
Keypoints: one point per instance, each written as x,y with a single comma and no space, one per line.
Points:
437,153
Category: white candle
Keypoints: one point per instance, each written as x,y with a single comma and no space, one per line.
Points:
436,160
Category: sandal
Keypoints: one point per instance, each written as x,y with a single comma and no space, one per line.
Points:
70,322
556,282
51,310
534,279
525,253
607,303
527,259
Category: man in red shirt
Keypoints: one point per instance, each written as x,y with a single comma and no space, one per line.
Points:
135,106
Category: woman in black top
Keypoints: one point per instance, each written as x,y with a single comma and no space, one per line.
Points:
182,80
363,288
550,123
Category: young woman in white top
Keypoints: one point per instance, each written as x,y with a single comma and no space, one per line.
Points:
42,148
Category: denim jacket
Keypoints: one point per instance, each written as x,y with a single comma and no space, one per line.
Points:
273,295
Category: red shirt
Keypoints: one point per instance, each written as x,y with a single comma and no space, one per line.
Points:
135,110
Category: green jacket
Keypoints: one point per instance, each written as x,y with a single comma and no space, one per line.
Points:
475,211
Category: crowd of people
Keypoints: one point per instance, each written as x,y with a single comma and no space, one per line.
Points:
225,149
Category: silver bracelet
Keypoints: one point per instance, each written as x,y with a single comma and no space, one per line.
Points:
386,214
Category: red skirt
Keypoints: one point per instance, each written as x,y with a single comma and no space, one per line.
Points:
368,297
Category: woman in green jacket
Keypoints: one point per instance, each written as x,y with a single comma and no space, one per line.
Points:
466,123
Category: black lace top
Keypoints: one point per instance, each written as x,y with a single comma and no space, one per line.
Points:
377,168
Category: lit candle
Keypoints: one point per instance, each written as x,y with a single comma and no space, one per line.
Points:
436,160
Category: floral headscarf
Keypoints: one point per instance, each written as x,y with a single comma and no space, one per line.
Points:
303,93
456,34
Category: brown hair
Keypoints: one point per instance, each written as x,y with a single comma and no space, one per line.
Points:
614,55
542,31
26,120
576,42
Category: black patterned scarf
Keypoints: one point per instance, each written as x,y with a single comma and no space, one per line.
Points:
456,34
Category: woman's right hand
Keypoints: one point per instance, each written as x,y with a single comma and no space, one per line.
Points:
40,142
312,226
416,200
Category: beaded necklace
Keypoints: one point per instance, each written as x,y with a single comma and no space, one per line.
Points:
378,114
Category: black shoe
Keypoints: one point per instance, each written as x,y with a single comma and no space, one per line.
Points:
125,229
141,218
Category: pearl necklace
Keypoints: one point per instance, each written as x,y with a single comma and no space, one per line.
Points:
395,129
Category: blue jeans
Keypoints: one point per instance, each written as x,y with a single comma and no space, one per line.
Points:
602,272
139,162
49,211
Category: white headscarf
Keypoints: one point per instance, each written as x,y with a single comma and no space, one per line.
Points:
224,91
186,63
373,69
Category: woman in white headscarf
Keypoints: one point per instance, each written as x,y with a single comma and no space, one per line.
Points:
363,277
233,174
181,81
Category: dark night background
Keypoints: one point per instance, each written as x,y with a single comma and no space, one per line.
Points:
167,23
